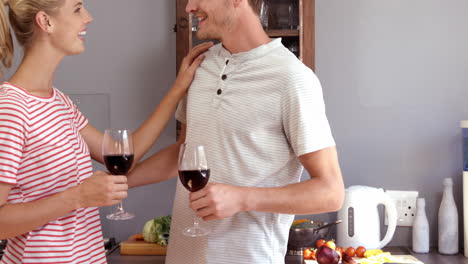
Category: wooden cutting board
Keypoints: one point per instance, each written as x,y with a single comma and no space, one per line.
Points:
141,248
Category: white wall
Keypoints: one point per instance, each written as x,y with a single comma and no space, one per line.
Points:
394,74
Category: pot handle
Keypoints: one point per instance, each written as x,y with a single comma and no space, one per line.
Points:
392,219
328,225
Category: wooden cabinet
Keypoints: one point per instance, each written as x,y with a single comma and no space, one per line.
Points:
292,20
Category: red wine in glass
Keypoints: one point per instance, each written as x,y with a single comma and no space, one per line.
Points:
194,180
118,155
118,164
194,175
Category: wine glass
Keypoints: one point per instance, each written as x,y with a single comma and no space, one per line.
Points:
193,174
117,151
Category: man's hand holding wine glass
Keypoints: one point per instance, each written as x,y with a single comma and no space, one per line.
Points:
218,201
194,174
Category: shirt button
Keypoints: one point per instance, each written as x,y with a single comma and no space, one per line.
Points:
224,77
219,91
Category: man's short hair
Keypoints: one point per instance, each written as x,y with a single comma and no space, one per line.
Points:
256,5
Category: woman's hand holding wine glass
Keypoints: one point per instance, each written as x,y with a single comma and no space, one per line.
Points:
117,151
102,189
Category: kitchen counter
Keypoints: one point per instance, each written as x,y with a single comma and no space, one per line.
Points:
432,257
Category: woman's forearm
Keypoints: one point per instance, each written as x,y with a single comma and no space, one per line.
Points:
100,189
17,219
151,129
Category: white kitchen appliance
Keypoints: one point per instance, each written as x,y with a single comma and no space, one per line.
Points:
360,215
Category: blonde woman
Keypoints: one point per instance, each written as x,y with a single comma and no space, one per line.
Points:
48,191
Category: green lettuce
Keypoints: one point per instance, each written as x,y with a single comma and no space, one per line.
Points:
157,230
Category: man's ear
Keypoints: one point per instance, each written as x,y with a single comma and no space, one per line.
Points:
237,3
43,22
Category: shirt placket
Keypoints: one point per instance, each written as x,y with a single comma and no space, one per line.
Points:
223,77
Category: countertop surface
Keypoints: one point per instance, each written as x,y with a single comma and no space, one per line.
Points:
432,257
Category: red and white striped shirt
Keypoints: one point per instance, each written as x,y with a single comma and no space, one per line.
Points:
43,153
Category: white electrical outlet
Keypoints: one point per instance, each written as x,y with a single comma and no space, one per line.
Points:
405,202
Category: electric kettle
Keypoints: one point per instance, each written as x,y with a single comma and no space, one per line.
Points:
360,215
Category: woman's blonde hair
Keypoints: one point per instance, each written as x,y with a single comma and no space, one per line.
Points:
22,16
6,42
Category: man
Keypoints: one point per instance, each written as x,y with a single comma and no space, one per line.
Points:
260,114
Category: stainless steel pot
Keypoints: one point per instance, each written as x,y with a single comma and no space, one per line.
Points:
301,238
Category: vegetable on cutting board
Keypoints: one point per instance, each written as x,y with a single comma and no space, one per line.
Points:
157,230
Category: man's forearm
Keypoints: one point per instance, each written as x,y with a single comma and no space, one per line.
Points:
159,167
324,192
313,196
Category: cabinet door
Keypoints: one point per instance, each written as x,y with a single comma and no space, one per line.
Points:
307,25
183,30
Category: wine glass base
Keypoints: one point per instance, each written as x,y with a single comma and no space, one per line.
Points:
196,231
120,216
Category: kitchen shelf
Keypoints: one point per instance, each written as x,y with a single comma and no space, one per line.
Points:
283,33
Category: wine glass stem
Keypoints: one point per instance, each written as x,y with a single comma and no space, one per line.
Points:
195,221
120,208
